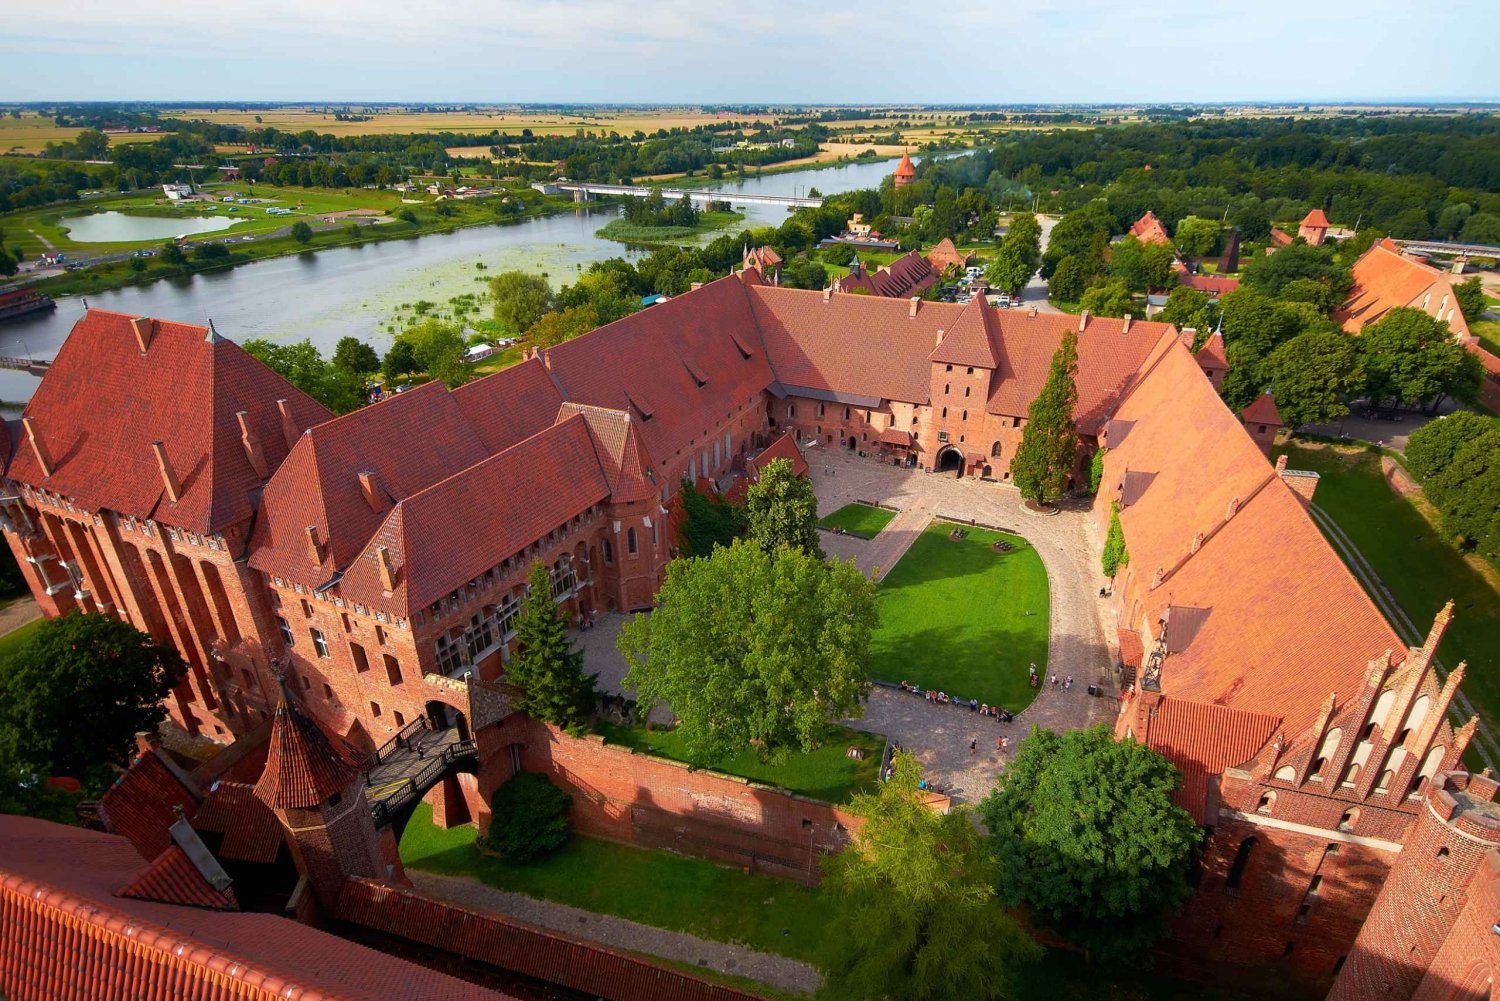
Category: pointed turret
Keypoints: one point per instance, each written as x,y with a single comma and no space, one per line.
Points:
905,172
302,768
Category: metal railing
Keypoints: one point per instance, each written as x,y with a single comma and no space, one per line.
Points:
416,786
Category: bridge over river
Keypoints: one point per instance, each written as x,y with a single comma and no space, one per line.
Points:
35,366
583,192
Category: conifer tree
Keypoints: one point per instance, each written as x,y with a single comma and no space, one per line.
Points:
1049,443
547,671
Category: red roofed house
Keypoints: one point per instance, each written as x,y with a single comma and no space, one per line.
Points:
1214,285
1307,733
1314,227
1211,358
1262,421
1384,279
945,255
908,275
1149,229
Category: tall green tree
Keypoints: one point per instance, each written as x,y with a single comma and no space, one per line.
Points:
76,691
1470,296
1049,442
754,648
1270,275
303,366
1019,256
1088,839
1315,375
1430,448
302,233
1410,356
920,920
520,299
1069,280
547,670
438,348
1115,555
353,355
1142,266
1467,492
782,509
1082,234
1110,299
561,325
1196,236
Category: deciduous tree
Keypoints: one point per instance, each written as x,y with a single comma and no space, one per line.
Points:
75,692
304,367
547,670
1049,442
1088,839
302,232
1315,374
520,299
751,647
920,919
353,355
708,521
782,509
1019,256
1411,356
1431,447
1196,236
561,325
1470,296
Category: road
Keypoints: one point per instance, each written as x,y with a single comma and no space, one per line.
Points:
1035,292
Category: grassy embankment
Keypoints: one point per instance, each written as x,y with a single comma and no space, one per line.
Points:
1414,559
628,232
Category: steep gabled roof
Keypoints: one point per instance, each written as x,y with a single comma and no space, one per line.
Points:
510,405
973,339
905,168
142,805
251,831
1149,229
1203,739
104,402
1211,356
1385,279
784,447
172,878
710,330
1262,410
517,497
622,455
1316,220
302,767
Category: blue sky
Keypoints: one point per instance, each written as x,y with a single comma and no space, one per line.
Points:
772,51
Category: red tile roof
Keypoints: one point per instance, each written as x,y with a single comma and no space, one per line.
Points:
251,831
1316,220
1202,740
104,402
1277,620
906,276
675,366
1149,229
302,767
142,804
509,405
517,497
945,255
628,470
1384,279
973,340
172,878
784,447
64,934
1215,285
1262,411
904,168
1211,355
1280,238
891,436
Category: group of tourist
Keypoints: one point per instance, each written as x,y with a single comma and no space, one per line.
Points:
973,705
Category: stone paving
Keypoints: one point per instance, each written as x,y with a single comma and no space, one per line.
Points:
940,735
777,971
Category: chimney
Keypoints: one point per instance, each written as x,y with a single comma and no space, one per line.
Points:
1281,464
38,447
938,341
1304,482
1083,320
1031,314
387,572
314,546
1232,509
694,286
828,293
369,485
289,429
168,476
142,327
1125,324
916,303
251,441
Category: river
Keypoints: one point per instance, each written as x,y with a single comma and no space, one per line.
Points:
354,290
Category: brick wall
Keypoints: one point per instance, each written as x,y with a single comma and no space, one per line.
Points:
656,803
1466,965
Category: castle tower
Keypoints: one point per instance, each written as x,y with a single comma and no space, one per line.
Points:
905,172
1469,962
1425,892
320,800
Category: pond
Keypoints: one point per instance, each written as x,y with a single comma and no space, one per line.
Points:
120,227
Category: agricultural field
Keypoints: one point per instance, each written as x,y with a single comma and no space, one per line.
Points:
31,132
394,120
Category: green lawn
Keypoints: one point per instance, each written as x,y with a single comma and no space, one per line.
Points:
654,888
859,520
11,640
627,232
1418,565
1488,332
962,618
828,773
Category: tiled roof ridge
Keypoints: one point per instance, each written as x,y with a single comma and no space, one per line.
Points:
1239,505
1142,376
131,928
488,459
303,768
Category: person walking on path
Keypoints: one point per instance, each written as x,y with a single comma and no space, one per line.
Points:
1054,681
974,745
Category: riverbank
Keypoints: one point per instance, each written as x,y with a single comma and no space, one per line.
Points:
424,220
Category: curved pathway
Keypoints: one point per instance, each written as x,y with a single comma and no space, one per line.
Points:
777,971
939,735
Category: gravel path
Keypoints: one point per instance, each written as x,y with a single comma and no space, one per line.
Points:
776,971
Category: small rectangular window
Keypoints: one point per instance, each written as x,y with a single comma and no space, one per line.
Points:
286,631
361,661
392,670
374,708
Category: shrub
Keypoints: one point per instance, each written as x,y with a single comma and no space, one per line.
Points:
529,818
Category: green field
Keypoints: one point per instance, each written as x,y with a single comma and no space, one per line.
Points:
13,639
827,773
1488,332
1418,565
626,232
859,520
961,618
655,888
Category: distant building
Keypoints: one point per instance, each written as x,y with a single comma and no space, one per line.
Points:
1149,229
177,192
1384,279
905,172
1214,285
1263,422
945,255
857,227
904,277
1314,227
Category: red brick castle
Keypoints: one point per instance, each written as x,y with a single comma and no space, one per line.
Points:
377,559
